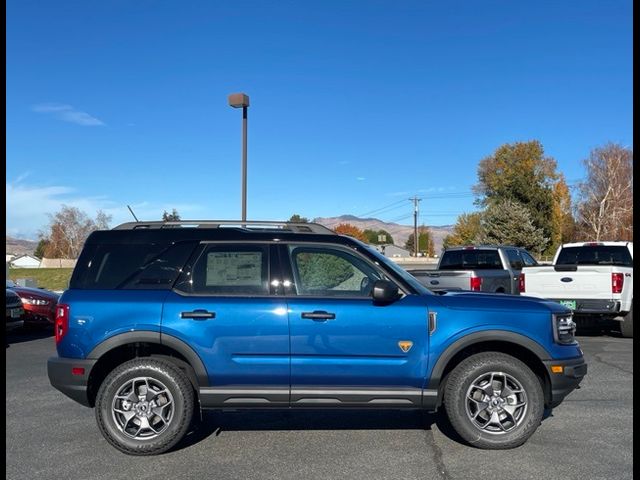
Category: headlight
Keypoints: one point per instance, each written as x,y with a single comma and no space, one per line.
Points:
34,301
564,328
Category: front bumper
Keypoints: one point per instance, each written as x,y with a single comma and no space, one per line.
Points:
72,385
566,381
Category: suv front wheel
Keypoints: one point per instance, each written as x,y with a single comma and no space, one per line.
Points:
494,401
144,406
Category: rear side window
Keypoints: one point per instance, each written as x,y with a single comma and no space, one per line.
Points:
595,255
230,270
514,259
130,266
470,260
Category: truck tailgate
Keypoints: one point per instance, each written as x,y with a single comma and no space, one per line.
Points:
444,279
590,282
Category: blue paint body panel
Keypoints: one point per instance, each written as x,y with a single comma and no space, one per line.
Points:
247,343
360,346
97,315
264,341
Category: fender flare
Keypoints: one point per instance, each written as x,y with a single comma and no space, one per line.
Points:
481,337
154,337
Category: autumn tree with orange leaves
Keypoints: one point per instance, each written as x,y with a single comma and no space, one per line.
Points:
351,230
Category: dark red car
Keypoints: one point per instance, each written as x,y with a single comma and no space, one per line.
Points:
39,305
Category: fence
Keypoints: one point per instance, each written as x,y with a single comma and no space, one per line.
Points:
58,263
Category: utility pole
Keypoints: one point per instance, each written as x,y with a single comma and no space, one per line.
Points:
415,201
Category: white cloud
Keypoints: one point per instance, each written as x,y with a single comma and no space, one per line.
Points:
360,179
28,205
67,113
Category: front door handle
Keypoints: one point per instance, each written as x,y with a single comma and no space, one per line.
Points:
319,315
198,314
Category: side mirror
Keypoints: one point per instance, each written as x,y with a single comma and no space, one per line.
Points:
384,292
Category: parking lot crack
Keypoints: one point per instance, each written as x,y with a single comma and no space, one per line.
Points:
598,359
436,455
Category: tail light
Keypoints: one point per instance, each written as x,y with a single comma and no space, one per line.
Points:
475,283
617,281
62,321
521,283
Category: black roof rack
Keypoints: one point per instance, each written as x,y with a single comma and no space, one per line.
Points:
254,225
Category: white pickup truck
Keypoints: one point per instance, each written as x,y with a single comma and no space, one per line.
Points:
593,279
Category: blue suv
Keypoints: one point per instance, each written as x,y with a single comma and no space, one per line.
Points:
164,318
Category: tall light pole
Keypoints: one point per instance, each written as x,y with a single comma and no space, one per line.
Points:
415,201
237,100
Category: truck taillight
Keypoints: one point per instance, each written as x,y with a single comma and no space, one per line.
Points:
617,281
62,321
476,283
521,283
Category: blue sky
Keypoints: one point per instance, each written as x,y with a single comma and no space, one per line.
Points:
355,105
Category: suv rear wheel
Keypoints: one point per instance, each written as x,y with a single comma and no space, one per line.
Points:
493,400
144,406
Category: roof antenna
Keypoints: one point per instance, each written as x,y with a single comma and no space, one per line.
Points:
134,215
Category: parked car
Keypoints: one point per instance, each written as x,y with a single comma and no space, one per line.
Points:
39,305
14,311
593,279
485,268
158,322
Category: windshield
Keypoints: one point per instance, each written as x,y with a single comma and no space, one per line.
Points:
10,284
401,272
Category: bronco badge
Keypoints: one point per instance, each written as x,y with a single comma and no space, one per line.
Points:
405,345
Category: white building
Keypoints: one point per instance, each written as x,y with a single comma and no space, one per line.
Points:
25,261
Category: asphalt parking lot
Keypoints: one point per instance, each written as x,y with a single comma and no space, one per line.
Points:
590,436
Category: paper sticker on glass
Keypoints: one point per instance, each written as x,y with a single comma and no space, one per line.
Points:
234,269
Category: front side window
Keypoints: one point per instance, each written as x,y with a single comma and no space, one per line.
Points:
331,272
230,270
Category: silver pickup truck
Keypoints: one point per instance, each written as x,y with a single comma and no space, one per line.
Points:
485,268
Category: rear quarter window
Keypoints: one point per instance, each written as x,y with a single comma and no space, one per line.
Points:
130,266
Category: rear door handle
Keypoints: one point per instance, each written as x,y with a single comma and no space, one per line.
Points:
198,314
319,315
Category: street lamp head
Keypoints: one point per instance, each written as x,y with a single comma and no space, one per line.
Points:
238,100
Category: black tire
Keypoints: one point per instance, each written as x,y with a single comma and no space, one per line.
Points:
626,326
181,394
477,366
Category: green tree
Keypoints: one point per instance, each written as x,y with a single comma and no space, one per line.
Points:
520,172
465,232
41,248
506,222
295,218
322,270
174,216
425,242
373,237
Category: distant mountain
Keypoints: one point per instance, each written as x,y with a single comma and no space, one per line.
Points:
18,246
400,233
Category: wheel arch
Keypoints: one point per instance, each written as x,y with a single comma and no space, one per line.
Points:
123,347
523,348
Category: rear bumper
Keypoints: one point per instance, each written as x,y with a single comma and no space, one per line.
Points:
73,386
595,307
562,384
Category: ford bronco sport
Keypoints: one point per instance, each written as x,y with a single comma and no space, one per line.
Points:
161,320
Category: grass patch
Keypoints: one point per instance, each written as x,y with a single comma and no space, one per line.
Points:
49,278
